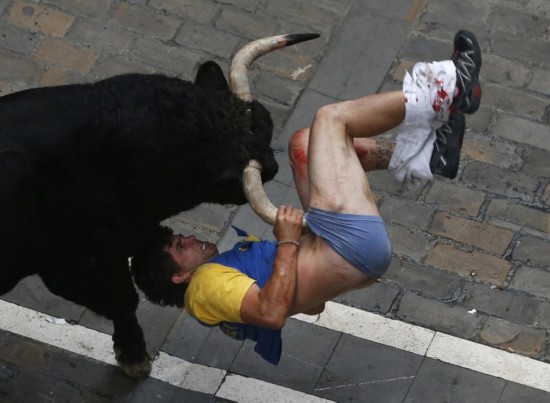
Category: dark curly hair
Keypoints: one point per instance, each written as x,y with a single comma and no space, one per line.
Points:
152,267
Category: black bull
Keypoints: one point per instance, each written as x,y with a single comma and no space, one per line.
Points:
86,171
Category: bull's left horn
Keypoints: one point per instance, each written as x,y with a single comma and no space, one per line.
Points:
255,193
243,59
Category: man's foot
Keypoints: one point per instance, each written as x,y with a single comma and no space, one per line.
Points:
467,60
448,142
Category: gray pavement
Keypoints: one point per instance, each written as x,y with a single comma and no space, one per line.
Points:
471,255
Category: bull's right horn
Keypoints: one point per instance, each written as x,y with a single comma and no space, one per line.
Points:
255,193
243,59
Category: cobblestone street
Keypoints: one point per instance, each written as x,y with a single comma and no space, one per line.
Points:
471,255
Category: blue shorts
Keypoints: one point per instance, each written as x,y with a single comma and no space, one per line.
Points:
361,240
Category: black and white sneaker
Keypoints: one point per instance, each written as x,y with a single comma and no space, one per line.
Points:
448,143
467,60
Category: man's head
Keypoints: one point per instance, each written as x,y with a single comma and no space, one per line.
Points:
165,263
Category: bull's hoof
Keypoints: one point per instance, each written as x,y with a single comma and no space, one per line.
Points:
136,370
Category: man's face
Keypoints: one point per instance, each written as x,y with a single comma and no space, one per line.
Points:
189,253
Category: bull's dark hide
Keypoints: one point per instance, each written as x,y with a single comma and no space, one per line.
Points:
87,170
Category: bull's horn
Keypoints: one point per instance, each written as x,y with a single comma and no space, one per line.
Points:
255,193
243,59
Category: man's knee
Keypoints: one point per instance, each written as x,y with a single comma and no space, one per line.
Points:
297,149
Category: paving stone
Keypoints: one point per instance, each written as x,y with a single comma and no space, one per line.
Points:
405,212
39,18
63,54
513,337
105,38
544,315
436,315
355,77
358,368
546,196
519,214
282,90
518,48
456,198
539,82
433,283
94,9
474,12
299,367
519,22
112,66
199,11
511,100
211,216
533,250
507,72
204,345
205,38
522,130
25,353
166,58
421,48
437,381
408,242
510,305
248,5
18,40
378,297
245,25
478,234
536,162
495,180
514,393
490,150
479,122
145,21
152,390
304,12
533,281
483,267
19,72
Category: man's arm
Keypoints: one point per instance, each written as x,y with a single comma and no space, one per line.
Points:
269,306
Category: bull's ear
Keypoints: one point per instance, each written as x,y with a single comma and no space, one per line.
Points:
211,79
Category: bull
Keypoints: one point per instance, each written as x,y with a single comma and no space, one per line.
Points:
88,170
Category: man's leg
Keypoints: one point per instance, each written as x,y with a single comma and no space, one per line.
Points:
335,176
372,154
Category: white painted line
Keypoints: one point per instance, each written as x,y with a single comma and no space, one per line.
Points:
241,389
173,370
187,375
370,326
449,349
491,361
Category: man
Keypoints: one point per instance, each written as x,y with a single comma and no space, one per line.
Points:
250,290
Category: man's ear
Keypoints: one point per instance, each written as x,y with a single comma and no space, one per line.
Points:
180,277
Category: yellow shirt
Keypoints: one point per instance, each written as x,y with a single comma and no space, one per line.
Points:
215,294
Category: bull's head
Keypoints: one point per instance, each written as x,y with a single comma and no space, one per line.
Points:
254,118
253,175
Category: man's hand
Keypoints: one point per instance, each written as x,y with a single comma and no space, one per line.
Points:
269,306
288,224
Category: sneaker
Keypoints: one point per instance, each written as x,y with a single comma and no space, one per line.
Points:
448,142
467,60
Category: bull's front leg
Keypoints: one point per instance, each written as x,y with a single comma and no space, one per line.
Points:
129,346
106,287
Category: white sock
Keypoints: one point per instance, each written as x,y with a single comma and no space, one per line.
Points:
429,93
